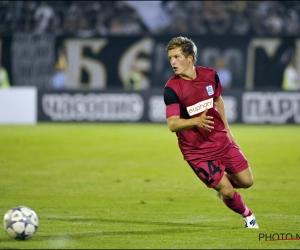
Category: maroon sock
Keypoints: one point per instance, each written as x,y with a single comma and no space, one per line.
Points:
233,183
237,205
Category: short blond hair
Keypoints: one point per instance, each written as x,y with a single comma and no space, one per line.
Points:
187,46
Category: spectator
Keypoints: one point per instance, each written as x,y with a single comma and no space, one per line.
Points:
240,24
224,73
84,29
4,79
216,17
100,26
292,22
274,23
134,81
74,12
59,79
291,80
196,23
115,26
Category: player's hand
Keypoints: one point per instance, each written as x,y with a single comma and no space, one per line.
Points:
204,121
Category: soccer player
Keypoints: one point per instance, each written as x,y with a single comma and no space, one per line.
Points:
195,111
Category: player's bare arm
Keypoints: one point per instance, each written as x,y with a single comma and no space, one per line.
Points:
177,124
221,109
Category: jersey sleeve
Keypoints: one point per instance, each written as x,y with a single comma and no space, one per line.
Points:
170,96
172,102
218,86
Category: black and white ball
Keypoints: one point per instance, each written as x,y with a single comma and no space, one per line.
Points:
20,222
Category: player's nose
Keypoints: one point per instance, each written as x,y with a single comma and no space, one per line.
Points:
172,61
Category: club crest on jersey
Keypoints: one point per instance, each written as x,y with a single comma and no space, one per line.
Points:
200,107
210,90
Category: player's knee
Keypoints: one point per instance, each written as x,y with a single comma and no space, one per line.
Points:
227,193
248,183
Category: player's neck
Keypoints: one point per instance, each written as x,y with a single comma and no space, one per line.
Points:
190,75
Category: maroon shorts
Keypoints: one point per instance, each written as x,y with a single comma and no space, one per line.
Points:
232,161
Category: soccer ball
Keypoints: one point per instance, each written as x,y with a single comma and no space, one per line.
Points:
20,222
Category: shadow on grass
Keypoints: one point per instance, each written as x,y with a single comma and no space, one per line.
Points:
87,219
97,232
114,233
177,228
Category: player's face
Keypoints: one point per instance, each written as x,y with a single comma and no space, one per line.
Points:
179,62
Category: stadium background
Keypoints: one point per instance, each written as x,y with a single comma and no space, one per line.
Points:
96,174
98,43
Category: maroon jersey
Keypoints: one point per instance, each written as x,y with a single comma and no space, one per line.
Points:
188,99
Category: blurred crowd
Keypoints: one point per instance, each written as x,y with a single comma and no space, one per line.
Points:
94,18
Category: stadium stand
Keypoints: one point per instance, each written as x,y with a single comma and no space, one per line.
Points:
92,18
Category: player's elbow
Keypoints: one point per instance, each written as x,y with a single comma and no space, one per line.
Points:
171,125
172,128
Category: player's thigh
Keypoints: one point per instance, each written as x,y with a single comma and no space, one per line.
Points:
209,172
225,188
237,166
234,160
244,178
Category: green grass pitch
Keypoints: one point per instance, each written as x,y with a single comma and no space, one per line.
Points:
118,186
